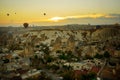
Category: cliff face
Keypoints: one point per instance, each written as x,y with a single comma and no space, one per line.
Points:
106,34
57,39
88,43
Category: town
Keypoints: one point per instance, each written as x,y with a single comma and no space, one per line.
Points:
68,52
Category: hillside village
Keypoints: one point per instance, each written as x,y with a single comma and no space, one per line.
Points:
60,53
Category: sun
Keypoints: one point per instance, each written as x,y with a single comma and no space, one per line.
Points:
56,19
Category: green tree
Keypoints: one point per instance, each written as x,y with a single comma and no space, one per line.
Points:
63,56
92,76
36,57
83,77
106,54
68,75
6,61
59,51
88,57
99,56
43,76
37,46
89,76
49,59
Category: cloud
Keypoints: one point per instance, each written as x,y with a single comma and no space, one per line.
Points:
114,14
87,16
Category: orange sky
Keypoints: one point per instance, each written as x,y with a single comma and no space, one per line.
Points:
59,12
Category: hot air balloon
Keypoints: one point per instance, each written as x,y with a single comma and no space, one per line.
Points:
44,14
25,25
8,14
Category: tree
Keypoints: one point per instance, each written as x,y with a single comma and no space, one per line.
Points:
49,59
106,54
63,56
37,46
92,76
83,77
44,76
88,57
36,56
68,75
67,67
17,58
59,51
6,61
89,76
99,56
45,49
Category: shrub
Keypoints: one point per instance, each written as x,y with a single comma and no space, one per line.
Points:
99,56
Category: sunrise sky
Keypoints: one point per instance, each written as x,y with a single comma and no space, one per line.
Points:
59,12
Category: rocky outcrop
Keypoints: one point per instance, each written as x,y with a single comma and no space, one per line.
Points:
105,34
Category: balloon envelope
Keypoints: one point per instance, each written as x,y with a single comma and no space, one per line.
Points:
25,25
8,14
44,14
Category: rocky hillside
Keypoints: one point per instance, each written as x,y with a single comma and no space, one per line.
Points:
81,41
